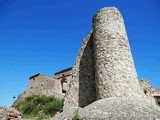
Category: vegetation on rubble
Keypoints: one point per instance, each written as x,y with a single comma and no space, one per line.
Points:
39,107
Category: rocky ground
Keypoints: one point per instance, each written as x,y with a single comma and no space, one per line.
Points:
9,114
120,109
115,109
2,113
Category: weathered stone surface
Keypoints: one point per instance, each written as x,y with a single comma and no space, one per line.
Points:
118,108
72,100
115,108
9,114
152,93
87,85
13,114
41,84
76,95
104,70
3,114
144,84
115,72
104,66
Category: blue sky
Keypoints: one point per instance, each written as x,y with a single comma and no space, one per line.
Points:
45,36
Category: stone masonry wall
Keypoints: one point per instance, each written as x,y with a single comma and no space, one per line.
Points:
87,85
104,66
44,85
41,84
152,93
115,72
144,84
72,96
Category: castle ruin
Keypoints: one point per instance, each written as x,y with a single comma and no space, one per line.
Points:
103,83
104,67
41,84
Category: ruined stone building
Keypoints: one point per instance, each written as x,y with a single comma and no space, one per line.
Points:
150,91
104,83
40,84
67,74
44,85
104,66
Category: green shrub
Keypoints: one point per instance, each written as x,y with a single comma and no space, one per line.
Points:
41,107
76,116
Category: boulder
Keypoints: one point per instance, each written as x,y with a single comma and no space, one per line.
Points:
13,114
120,109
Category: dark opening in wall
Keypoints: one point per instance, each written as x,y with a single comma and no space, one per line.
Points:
63,91
31,87
157,99
158,103
145,91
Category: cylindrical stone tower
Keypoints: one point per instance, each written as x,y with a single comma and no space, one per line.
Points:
115,73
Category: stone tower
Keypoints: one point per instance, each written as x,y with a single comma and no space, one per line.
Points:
104,83
115,74
104,66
